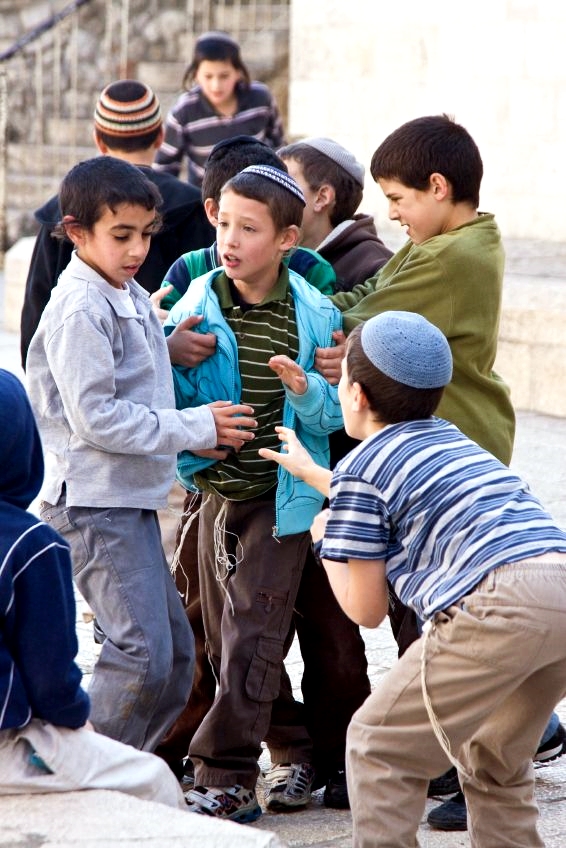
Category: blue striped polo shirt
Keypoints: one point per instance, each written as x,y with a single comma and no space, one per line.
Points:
440,511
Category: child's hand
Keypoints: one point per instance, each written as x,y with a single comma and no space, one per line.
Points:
156,299
328,360
298,461
291,374
233,423
318,527
293,456
187,347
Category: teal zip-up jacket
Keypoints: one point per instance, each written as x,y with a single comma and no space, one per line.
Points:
312,415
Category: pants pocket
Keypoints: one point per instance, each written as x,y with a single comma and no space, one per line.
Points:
263,680
60,518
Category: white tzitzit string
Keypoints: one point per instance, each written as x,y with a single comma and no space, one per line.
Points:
190,514
225,562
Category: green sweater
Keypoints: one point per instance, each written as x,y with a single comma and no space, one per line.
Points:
455,280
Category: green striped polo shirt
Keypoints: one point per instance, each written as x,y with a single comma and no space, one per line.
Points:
262,330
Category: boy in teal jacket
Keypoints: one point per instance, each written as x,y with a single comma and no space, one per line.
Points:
254,520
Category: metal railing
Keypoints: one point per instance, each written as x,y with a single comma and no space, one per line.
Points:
49,78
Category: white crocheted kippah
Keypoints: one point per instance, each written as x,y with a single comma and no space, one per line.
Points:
408,348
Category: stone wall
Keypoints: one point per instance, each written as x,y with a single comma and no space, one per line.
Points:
50,118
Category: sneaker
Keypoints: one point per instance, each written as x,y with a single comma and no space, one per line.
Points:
336,791
288,786
224,802
451,815
553,748
446,784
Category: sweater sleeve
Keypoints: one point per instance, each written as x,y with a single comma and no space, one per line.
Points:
45,641
50,256
419,283
274,133
169,157
96,411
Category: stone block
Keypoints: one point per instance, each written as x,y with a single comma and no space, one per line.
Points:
16,266
165,76
103,819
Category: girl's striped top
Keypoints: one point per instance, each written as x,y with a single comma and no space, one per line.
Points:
193,127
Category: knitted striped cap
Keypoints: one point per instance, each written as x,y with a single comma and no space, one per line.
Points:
408,348
126,109
282,178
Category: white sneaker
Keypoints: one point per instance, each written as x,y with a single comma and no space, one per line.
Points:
288,785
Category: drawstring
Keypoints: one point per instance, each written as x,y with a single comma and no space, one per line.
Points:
439,732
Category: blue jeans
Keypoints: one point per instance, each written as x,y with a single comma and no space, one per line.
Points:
143,676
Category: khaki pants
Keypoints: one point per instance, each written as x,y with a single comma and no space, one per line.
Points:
495,667
81,759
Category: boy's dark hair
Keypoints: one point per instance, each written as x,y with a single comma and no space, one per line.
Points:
230,157
127,116
215,47
391,401
103,181
319,169
128,144
285,209
433,144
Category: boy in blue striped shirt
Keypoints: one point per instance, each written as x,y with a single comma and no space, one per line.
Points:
463,543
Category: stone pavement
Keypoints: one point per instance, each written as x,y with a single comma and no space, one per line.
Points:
540,457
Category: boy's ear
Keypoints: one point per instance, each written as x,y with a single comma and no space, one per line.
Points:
159,138
290,237
325,198
100,145
73,230
359,399
211,209
440,186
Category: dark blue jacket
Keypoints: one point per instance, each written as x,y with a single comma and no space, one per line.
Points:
38,642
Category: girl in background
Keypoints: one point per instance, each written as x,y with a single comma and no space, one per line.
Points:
220,101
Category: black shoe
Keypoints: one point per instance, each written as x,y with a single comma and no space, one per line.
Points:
552,748
336,792
451,815
446,784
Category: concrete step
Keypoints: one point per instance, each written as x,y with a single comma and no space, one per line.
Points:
103,819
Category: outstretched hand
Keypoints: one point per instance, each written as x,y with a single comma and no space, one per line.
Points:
328,360
297,461
234,423
187,347
290,373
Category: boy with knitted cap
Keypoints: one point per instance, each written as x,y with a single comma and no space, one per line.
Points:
127,125
253,523
466,545
332,181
